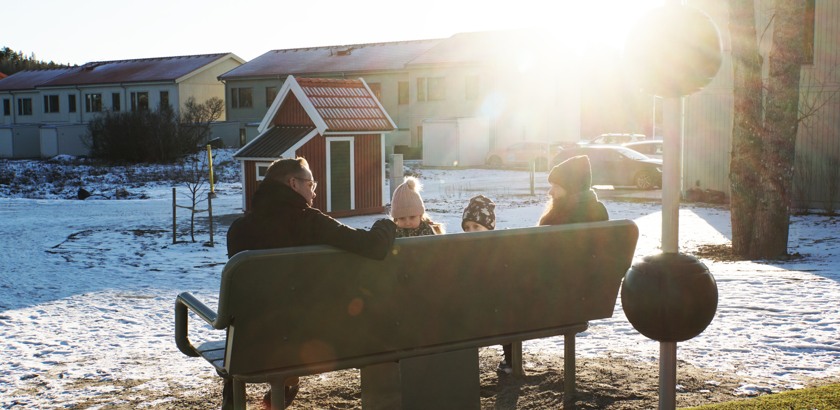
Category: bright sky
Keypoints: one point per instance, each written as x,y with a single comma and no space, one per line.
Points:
73,32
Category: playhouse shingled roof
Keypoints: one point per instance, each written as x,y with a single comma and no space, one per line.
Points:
274,142
345,105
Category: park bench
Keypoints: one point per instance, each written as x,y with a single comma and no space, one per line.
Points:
413,322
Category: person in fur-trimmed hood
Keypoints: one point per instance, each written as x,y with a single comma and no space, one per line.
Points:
571,198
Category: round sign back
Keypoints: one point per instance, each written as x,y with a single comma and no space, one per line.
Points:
673,51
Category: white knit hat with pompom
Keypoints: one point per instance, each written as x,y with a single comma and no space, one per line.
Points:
407,200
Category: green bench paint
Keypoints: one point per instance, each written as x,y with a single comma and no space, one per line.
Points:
418,316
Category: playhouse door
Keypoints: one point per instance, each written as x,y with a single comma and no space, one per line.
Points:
340,174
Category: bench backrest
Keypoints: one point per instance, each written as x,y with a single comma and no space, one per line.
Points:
316,306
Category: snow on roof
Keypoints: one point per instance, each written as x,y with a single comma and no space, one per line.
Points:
344,58
29,79
167,69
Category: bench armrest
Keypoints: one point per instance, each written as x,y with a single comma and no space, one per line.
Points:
183,302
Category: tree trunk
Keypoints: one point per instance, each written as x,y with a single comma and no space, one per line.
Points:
764,129
747,131
772,217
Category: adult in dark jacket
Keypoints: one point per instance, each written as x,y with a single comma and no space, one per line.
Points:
571,198
282,216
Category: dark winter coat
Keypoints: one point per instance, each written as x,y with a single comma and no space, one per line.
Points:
575,208
425,228
581,203
281,218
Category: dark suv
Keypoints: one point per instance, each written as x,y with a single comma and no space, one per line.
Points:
618,166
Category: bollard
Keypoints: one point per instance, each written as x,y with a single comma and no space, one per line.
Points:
531,169
210,196
396,172
210,165
174,218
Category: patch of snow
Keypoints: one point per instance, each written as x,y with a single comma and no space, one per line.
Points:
87,287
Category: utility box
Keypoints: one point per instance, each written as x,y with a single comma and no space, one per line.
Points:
455,142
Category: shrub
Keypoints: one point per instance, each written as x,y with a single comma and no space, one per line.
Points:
159,136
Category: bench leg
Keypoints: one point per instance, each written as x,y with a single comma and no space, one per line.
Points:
516,359
569,371
239,399
441,381
381,387
278,394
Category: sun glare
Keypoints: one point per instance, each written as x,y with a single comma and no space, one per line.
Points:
595,23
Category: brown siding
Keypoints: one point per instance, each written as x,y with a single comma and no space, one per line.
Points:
368,173
291,113
315,152
369,178
251,183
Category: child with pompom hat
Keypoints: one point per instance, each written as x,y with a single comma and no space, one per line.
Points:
409,212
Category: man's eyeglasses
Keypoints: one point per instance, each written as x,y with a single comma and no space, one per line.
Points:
313,182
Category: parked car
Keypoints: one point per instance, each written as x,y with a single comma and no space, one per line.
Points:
522,153
613,138
618,166
651,148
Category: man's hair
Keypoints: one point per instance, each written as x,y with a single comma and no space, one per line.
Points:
283,169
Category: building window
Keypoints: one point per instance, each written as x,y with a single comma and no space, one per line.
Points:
24,106
376,89
472,87
431,89
115,101
71,103
437,89
50,103
262,169
421,89
164,98
93,102
402,91
241,98
808,37
270,95
139,101
7,107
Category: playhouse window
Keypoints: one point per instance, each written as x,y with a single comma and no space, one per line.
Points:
262,169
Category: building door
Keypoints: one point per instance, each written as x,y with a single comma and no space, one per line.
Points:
340,174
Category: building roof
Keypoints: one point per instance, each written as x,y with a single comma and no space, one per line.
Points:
29,79
487,47
159,69
388,56
274,142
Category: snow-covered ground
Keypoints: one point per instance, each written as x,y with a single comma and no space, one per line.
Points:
87,289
